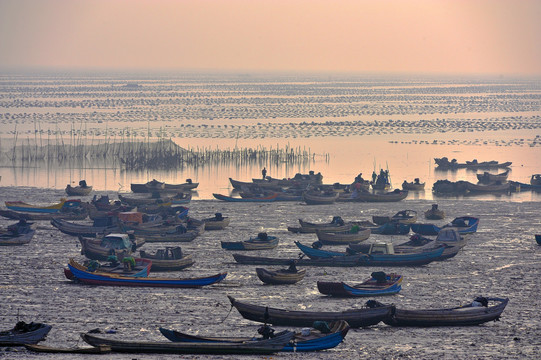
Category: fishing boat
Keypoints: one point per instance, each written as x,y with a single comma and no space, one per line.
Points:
280,277
480,311
309,339
392,228
434,213
101,349
119,245
336,261
20,233
488,188
464,224
355,235
23,333
261,242
392,196
76,213
168,259
55,208
91,278
377,254
449,237
404,217
262,347
524,186
134,267
355,317
377,285
177,232
99,226
218,222
81,190
269,198
316,197
488,178
413,186
335,225
155,198
151,186
444,163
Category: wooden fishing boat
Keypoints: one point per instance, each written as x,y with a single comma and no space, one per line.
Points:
474,313
176,233
434,213
279,277
261,242
168,259
392,196
20,233
78,213
119,245
464,224
404,217
381,186
150,186
392,228
444,163
55,208
494,187
313,340
269,185
155,198
23,333
413,186
187,186
181,198
378,254
336,261
135,267
261,347
449,237
218,222
488,178
91,278
335,225
312,197
81,190
100,226
355,317
354,235
100,349
376,285
269,198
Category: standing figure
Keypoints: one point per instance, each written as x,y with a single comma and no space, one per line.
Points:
264,173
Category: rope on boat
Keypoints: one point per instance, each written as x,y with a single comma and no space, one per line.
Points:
230,309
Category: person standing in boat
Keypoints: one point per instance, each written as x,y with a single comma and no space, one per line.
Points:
264,173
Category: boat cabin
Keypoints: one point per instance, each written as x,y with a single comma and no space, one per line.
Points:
449,236
116,241
381,248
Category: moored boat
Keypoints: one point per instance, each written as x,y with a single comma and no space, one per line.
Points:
279,277
316,197
413,186
392,196
434,213
268,346
218,222
55,208
117,244
269,198
335,225
261,242
464,224
488,178
24,333
355,235
378,284
168,259
129,266
81,190
90,278
480,311
488,188
355,317
312,340
20,233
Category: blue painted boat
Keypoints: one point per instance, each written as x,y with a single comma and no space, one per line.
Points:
314,340
379,254
270,198
315,253
24,333
90,278
464,224
388,284
538,239
392,228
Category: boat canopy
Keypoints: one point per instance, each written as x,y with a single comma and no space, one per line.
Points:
116,241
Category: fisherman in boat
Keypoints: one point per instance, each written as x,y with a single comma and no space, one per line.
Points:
292,268
416,181
264,173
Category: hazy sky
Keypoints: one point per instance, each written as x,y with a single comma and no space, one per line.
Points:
449,36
